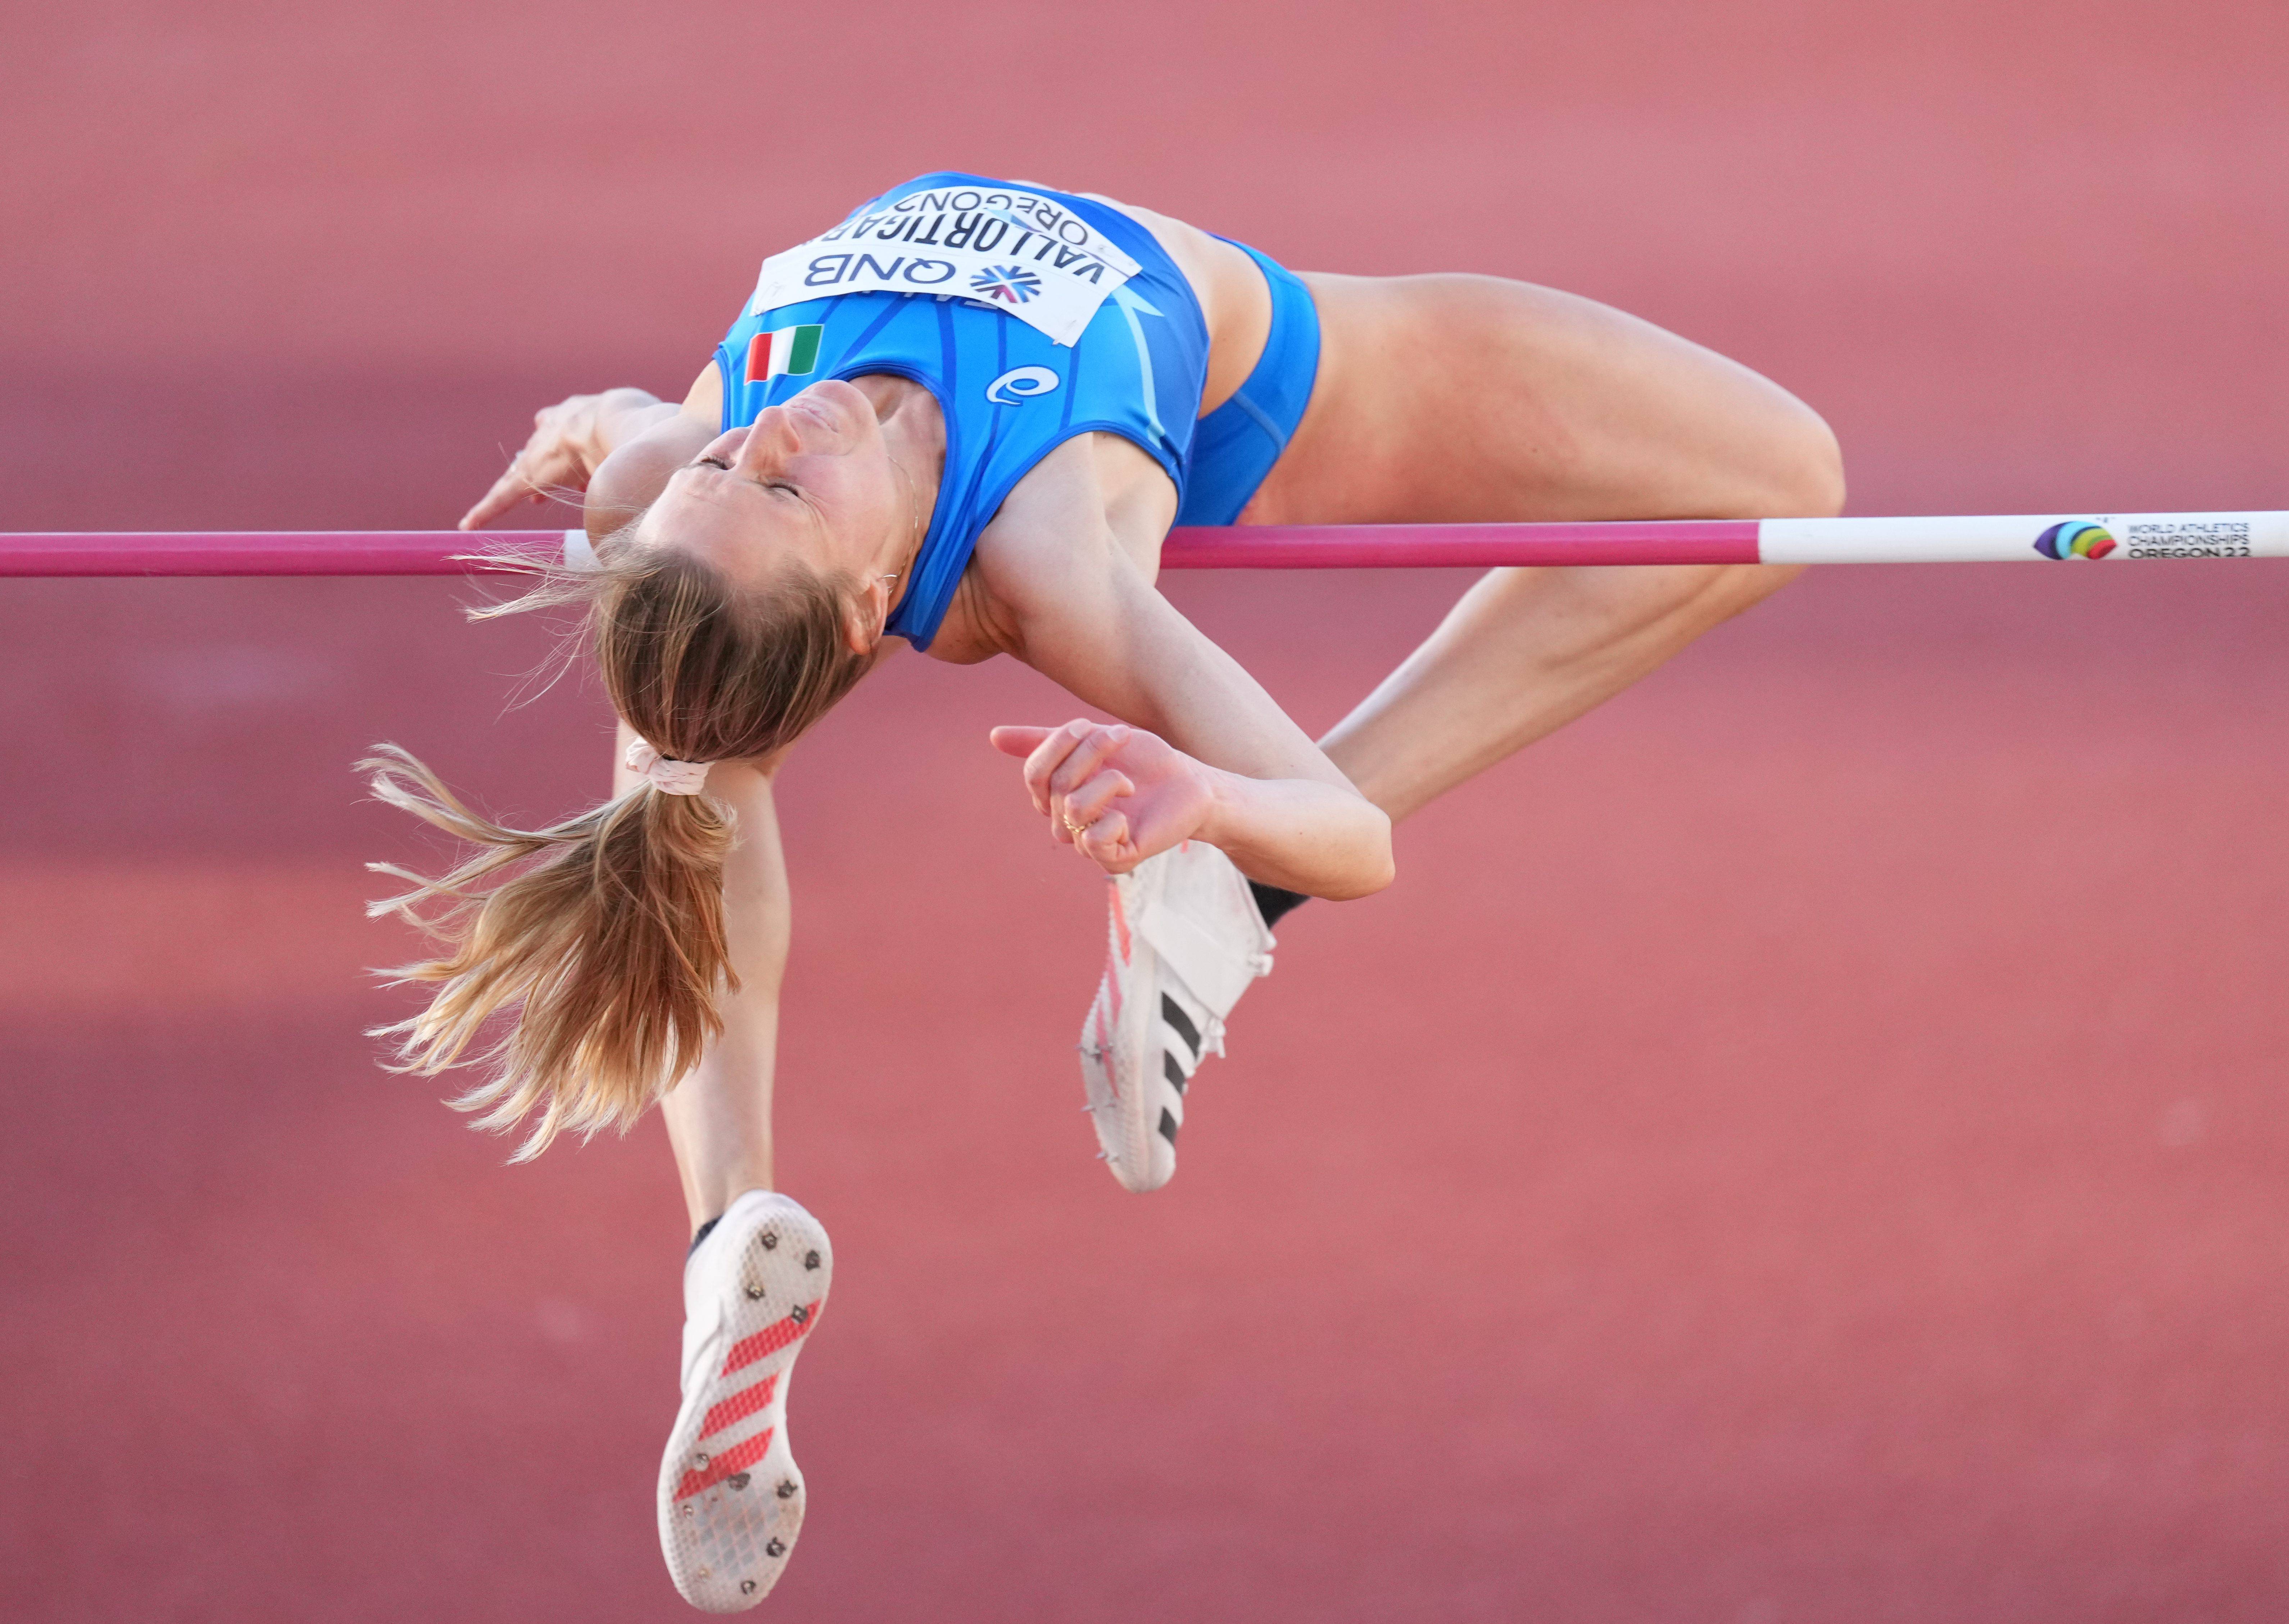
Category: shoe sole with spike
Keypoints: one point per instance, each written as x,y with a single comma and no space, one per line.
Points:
730,1496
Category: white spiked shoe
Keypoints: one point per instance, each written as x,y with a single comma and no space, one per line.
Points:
730,1498
1185,939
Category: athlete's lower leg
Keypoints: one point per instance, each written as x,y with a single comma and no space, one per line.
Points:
1575,410
1525,652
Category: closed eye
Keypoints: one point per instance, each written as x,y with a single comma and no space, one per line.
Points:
717,462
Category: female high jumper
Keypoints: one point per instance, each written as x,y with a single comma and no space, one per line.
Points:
966,418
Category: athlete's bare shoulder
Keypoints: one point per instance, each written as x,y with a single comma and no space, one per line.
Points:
1095,504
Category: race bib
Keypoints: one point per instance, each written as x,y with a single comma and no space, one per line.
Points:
1007,250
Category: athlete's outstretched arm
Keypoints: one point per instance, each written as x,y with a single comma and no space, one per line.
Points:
1241,774
618,446
719,1116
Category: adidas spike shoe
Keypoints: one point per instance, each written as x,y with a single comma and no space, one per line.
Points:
730,1499
1183,940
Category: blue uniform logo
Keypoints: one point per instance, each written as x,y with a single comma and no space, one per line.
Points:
1019,384
1012,285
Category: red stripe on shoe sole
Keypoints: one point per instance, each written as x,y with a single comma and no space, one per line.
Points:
736,1459
739,1405
771,1338
1116,960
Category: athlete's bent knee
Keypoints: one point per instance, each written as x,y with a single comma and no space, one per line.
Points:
1809,478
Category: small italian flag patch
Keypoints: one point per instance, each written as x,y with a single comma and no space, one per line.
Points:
791,349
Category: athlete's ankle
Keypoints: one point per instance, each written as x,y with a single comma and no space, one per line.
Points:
708,1226
1273,903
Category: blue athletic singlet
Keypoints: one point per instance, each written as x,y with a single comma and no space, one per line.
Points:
1009,393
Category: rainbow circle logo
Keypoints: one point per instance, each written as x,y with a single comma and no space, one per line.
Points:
2075,539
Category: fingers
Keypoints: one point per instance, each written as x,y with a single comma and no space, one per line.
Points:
1089,820
1069,779
1106,843
531,473
1052,754
1084,806
1083,761
1044,759
1019,741
549,458
511,490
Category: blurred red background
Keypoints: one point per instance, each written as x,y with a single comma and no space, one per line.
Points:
1806,1143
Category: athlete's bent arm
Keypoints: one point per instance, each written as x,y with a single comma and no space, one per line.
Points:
1248,780
719,1116
617,446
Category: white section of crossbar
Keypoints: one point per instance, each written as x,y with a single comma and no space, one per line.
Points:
2015,539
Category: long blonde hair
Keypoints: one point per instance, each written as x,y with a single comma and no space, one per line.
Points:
600,940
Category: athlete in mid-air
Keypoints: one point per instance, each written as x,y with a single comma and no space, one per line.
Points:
964,419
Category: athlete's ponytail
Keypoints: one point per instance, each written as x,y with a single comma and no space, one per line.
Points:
598,943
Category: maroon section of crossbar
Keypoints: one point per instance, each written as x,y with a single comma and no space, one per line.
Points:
1327,546
1426,546
263,552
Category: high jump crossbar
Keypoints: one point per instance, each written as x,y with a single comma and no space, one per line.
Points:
2062,536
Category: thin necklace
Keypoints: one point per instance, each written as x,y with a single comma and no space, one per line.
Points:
913,505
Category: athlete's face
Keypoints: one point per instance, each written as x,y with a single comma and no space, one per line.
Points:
811,479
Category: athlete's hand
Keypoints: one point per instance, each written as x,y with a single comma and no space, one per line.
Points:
1114,793
569,441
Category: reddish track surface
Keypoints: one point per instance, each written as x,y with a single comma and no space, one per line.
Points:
1808,1144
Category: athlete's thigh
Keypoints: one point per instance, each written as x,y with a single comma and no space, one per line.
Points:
1457,398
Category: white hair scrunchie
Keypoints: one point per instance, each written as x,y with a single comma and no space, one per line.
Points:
666,774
